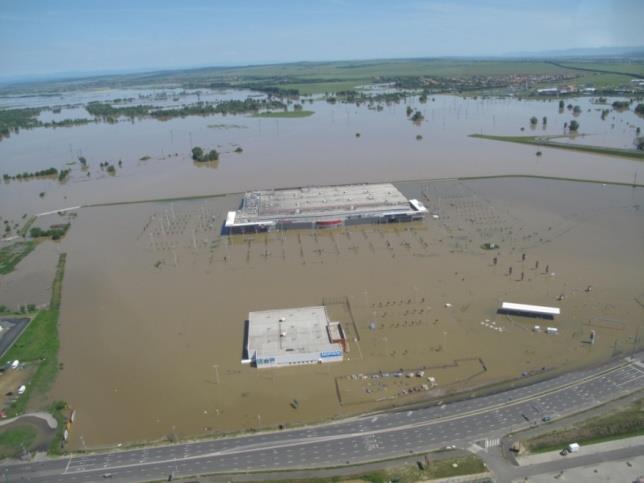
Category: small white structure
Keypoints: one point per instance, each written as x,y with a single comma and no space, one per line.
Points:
552,330
534,310
418,206
548,91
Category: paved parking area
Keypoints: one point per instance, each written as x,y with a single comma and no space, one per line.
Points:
623,471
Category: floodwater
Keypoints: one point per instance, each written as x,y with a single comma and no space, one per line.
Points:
171,96
154,304
154,299
320,149
30,282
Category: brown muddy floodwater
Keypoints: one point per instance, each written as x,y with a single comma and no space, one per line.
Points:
155,300
320,149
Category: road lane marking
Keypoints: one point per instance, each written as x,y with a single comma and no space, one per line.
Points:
68,463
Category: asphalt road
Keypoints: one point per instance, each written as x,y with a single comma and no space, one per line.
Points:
17,325
356,440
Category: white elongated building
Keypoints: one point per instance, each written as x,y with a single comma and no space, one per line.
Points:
322,206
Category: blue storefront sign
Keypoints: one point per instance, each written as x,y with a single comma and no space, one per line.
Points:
325,355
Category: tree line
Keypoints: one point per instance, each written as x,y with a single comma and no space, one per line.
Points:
12,120
43,173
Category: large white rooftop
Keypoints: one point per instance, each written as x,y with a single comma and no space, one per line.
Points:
289,331
321,202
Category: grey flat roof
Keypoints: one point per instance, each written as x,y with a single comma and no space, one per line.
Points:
321,201
304,329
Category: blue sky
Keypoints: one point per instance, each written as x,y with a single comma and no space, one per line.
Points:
48,37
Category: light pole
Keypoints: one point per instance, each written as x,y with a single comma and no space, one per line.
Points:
386,345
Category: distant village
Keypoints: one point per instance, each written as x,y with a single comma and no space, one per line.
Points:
636,86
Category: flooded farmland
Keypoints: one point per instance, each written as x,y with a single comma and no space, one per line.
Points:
320,149
155,302
155,299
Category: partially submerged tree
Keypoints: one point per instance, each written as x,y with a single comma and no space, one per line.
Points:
639,143
621,105
197,153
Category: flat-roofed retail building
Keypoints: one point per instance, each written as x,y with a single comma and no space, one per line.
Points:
295,336
322,206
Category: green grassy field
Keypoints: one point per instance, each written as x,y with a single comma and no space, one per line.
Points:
321,77
25,228
309,89
12,254
14,440
363,69
626,68
547,142
56,409
39,345
621,424
443,468
599,81
285,114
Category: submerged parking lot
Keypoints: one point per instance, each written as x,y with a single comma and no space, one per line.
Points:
153,313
